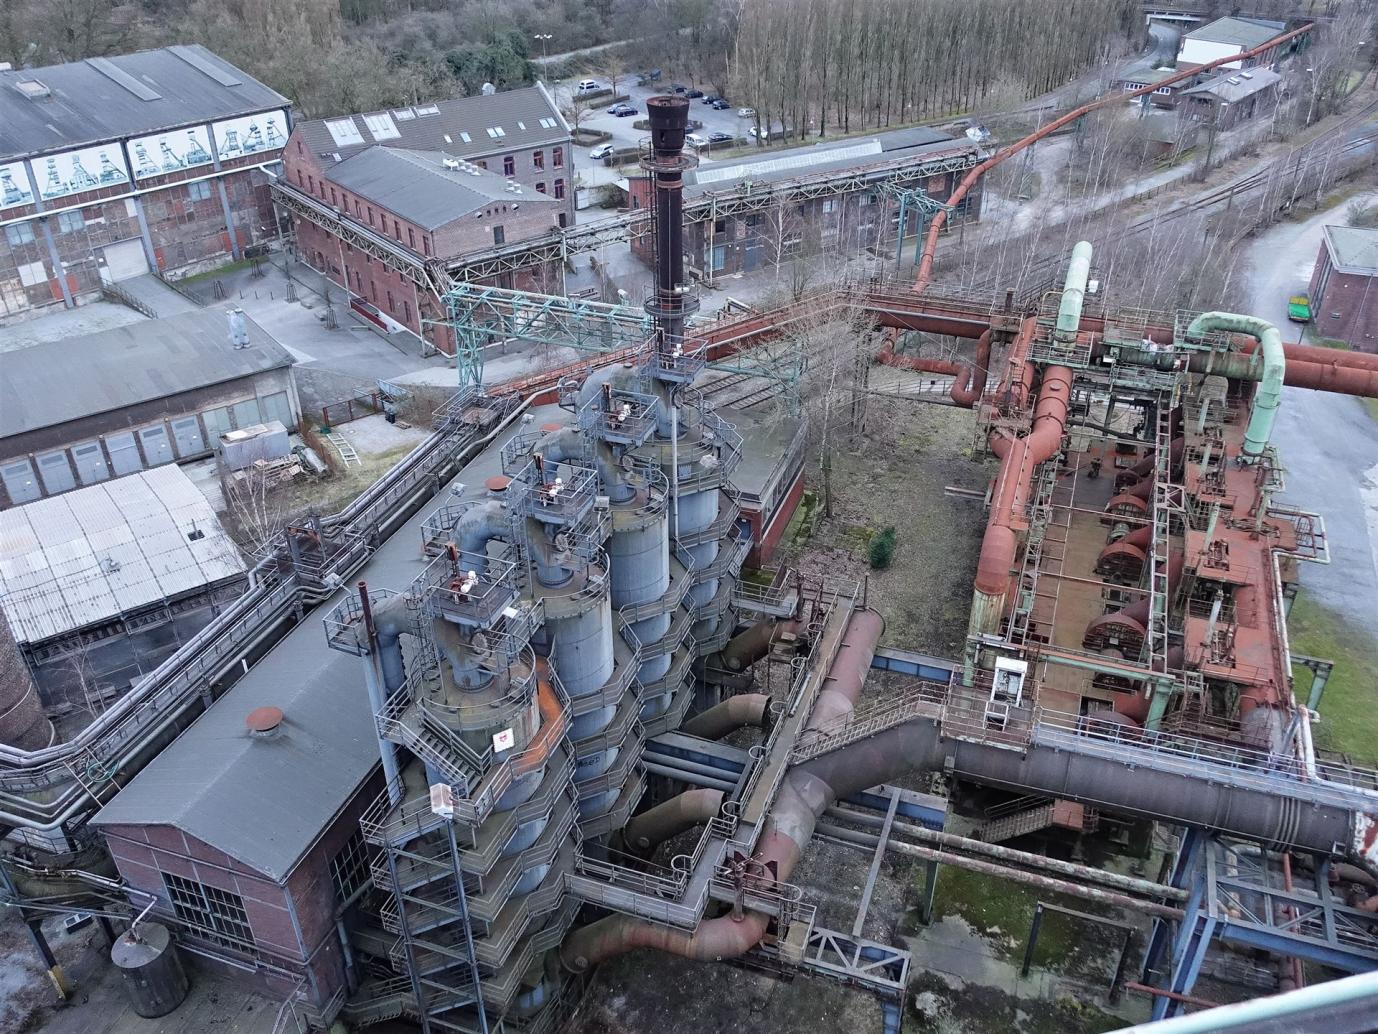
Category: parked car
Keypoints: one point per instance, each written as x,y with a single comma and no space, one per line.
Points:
719,137
653,75
693,93
587,85
695,141
746,112
721,105
1299,308
679,88
709,98
602,151
621,110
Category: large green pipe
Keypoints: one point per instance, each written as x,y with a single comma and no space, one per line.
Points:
1269,394
1073,294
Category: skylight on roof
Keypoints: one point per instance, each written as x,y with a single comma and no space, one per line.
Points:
344,132
403,114
496,131
428,109
381,126
465,137
547,123
521,125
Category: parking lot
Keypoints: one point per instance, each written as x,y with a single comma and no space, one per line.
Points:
623,135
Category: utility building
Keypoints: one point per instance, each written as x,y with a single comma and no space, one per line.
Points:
1344,287
112,167
83,410
1228,36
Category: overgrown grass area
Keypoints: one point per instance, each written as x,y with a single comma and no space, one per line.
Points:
1002,911
1349,708
218,271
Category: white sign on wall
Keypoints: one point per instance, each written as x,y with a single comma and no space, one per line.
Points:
73,172
504,740
250,134
161,153
14,186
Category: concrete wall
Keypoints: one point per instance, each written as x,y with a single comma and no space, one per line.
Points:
1344,305
98,427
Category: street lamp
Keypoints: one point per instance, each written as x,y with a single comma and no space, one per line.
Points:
545,38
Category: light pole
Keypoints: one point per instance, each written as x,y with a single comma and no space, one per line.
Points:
545,38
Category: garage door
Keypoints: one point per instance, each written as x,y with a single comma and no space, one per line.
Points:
124,260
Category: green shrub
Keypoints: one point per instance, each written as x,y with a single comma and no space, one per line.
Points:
882,549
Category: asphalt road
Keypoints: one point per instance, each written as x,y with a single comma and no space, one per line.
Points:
1328,443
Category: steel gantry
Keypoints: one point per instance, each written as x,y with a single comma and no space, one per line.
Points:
908,197
482,316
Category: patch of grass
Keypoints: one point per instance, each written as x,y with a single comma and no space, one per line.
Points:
211,274
1349,708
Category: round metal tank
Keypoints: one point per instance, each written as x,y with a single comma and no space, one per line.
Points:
22,721
582,648
640,562
154,978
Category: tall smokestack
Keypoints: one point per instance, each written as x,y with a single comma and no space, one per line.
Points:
672,302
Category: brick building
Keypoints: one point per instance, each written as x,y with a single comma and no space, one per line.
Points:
1344,287
246,831
110,167
838,207
375,198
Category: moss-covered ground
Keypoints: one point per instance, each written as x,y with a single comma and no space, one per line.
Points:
1349,708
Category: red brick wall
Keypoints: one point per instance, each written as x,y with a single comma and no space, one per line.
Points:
1344,305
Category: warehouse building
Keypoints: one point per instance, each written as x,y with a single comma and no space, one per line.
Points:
98,586
1226,37
86,409
112,167
848,214
1344,287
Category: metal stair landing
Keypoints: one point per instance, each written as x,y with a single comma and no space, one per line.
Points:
924,699
1046,815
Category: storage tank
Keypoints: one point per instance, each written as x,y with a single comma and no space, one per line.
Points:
154,978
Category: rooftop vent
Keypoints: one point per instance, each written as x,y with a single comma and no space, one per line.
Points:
263,721
32,89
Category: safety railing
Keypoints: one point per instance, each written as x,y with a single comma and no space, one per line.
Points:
496,890
675,674
553,493
680,623
470,588
718,527
515,454
619,416
673,716
615,733
617,772
915,700
633,613
731,554
625,665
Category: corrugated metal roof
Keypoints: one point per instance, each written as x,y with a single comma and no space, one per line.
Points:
50,383
86,556
1353,249
1233,87
460,126
416,186
104,98
1244,32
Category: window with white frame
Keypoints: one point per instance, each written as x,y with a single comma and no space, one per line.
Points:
215,914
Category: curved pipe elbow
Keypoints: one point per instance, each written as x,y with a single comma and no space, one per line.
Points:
1268,396
479,525
734,713
670,818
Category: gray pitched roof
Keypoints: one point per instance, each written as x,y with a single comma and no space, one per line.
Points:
263,800
419,188
1232,87
443,126
1244,32
95,100
1353,249
49,384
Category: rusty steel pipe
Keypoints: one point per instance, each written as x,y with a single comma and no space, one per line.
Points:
935,227
1004,872
669,818
729,715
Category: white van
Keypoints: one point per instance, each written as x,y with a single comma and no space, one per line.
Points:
587,85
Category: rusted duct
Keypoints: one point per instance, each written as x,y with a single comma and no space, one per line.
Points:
733,713
1321,369
970,383
802,798
1019,457
746,648
670,818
